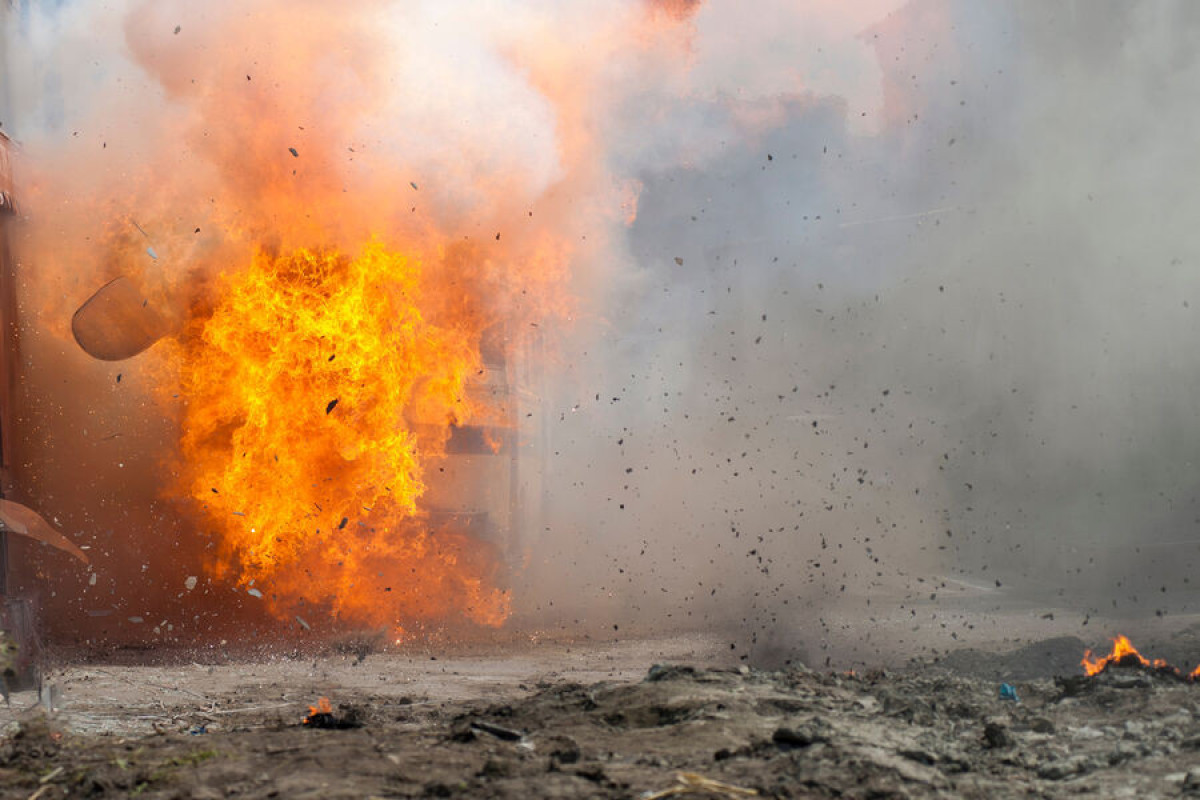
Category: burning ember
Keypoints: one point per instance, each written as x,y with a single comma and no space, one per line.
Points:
318,390
322,708
1124,654
321,716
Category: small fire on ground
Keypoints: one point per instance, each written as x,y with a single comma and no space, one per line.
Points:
322,707
1124,654
322,716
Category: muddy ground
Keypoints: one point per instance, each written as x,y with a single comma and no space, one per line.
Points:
615,719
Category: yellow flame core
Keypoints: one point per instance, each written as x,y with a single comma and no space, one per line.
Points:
300,389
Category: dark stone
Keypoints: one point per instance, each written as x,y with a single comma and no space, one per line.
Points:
793,737
996,736
667,672
1041,725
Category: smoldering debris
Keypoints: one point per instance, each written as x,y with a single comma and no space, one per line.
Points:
322,716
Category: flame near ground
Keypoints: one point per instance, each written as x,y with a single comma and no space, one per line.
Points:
1124,654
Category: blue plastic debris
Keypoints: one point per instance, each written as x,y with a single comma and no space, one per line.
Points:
152,254
1009,692
198,730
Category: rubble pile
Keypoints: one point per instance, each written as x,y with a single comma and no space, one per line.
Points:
679,731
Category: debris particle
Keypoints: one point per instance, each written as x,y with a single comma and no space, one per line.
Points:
500,732
190,583
254,593
332,405
292,150
690,783
342,524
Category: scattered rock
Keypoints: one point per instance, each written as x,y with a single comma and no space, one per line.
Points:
996,736
670,672
1191,782
795,737
1041,725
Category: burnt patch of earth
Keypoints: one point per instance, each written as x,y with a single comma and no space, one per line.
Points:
783,734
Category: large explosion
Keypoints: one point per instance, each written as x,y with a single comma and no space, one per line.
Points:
351,229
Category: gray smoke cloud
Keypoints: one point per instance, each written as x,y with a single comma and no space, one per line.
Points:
951,353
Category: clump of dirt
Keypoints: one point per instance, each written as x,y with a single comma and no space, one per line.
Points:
784,734
33,742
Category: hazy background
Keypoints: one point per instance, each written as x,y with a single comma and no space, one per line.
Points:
907,306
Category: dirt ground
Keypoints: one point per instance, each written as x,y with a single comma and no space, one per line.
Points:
605,719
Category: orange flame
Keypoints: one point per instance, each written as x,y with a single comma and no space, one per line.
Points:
323,706
1123,654
1121,650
